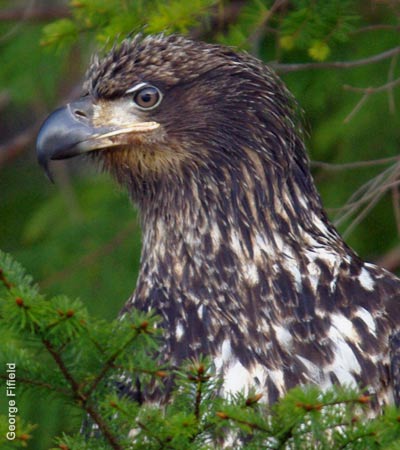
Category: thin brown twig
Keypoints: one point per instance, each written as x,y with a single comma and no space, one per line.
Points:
150,432
379,190
103,428
199,391
255,36
20,22
355,438
389,86
392,67
82,398
293,67
63,368
109,364
5,281
41,384
253,426
366,197
354,165
375,187
375,27
396,206
390,260
17,144
75,386
222,18
161,373
34,14
373,90
359,218
356,108
369,188
21,141
351,206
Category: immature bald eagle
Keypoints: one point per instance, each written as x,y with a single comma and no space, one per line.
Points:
238,255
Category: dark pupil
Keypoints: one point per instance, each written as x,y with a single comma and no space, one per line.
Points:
147,97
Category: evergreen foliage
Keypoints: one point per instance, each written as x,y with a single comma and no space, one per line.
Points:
59,349
313,27
107,19
82,238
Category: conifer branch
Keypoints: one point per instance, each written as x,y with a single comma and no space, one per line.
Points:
4,280
64,370
81,398
40,384
109,363
156,373
305,417
357,438
199,380
154,436
108,435
254,426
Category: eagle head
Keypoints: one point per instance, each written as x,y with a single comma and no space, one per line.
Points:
154,108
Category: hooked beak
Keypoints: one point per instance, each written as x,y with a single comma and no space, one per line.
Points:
69,131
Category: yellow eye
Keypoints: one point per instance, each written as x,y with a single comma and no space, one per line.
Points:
148,97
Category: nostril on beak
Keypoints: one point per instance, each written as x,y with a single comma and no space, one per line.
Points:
80,114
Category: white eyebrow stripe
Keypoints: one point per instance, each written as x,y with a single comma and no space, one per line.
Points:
136,87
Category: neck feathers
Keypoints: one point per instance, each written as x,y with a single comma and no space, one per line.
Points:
246,205
230,229
242,264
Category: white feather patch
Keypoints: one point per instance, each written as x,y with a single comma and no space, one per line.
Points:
250,274
345,363
367,318
236,379
313,371
344,328
366,280
283,336
224,356
179,332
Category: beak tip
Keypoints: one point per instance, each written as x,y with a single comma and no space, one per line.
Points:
43,161
48,173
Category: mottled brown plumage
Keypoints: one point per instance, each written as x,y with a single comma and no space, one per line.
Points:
238,256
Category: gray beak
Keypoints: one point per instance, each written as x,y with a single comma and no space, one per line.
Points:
65,133
69,131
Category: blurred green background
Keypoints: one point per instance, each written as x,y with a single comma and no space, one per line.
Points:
80,236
